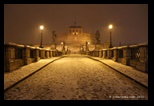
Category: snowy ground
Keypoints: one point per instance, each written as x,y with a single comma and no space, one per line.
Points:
16,75
77,78
127,70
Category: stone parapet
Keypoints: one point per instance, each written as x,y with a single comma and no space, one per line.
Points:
17,55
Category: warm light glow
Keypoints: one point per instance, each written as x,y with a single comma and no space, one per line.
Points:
88,42
41,27
62,43
110,26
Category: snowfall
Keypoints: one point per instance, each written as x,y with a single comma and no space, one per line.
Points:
76,77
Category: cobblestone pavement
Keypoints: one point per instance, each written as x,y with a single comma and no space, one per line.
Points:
77,78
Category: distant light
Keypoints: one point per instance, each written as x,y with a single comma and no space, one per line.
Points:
88,42
110,26
62,43
41,27
48,49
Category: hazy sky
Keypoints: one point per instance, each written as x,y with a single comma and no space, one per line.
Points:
22,21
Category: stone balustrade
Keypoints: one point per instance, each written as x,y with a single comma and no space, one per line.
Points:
16,55
132,55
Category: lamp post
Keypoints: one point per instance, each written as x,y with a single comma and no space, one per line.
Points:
66,49
87,48
88,45
63,46
41,28
110,27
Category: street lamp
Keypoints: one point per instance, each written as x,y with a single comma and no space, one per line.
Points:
41,28
110,27
63,46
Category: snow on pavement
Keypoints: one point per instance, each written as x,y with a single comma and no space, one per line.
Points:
16,75
127,70
77,78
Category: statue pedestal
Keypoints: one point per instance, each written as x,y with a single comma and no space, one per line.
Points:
97,47
53,46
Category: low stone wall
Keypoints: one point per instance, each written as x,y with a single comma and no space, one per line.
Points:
16,55
132,55
15,64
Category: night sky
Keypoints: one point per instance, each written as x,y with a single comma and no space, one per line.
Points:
22,21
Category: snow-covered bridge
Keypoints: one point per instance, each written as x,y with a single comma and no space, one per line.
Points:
76,77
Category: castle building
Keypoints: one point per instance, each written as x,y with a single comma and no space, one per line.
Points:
76,38
75,30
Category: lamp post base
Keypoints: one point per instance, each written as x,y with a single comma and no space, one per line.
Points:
41,46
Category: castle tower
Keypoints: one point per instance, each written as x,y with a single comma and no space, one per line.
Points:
75,30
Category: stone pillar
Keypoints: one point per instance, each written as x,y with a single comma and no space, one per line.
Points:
97,53
108,53
40,53
36,55
50,53
43,54
26,55
100,53
53,53
104,53
115,55
9,56
126,55
57,53
143,54
47,54
143,58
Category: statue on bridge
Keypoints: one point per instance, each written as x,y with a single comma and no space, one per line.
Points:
54,36
53,44
97,36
